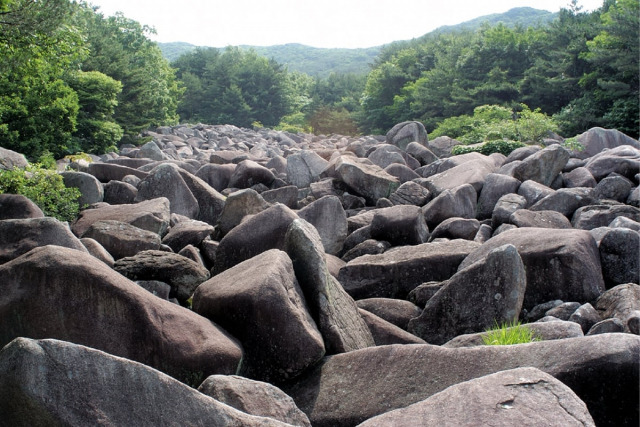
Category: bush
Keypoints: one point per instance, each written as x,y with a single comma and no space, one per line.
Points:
498,146
508,334
45,188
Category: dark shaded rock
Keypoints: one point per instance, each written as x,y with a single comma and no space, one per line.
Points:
386,333
165,181
621,302
358,236
10,159
384,155
88,303
402,134
395,311
364,179
564,264
106,172
90,188
119,193
97,250
578,177
181,273
192,253
287,195
534,192
249,173
458,202
624,222
50,382
400,225
484,233
410,193
593,216
421,153
396,272
607,326
402,172
121,239
624,160
260,303
210,202
333,310
613,187
304,167
586,316
217,176
239,205
505,207
17,206
563,311
424,292
187,233
542,331
565,200
255,398
634,198
368,247
542,166
495,186
475,298
156,287
602,370
540,219
152,215
540,310
513,397
456,228
620,257
19,236
330,220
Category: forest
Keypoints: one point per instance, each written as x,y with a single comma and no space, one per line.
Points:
73,80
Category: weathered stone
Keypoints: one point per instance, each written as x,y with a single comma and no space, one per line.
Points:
396,272
152,151
565,200
421,153
106,172
402,172
287,195
333,310
624,222
620,302
19,236
620,257
495,186
181,273
514,397
386,333
505,207
400,225
395,311
90,188
10,159
624,160
156,287
217,176
42,382
586,316
249,173
534,191
564,264
540,219
475,298
456,228
406,132
17,206
187,233
119,193
594,216
367,180
543,166
88,303
602,370
98,251
238,205
367,247
330,220
255,398
121,239
607,326
459,202
210,202
596,139
563,311
260,303
387,154
522,153
165,181
578,177
442,146
410,193
473,172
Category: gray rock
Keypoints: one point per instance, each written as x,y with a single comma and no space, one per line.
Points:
255,398
367,247
563,311
287,195
505,207
239,205
106,172
620,257
217,176
152,151
98,251
456,228
399,225
10,159
17,206
540,310
540,219
210,202
330,220
90,188
620,302
396,272
43,381
119,193
573,275
584,364
459,202
484,233
404,133
424,292
542,166
386,333
596,139
534,192
594,216
333,310
586,316
473,172
156,287
410,193
634,198
624,222
121,239
578,177
19,236
613,187
249,173
182,274
442,146
385,154
421,153
367,180
402,172
304,167
565,200
495,186
187,233
607,326
88,303
624,160
475,298
165,181
260,303
395,311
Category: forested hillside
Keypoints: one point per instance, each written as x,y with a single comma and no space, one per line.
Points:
73,80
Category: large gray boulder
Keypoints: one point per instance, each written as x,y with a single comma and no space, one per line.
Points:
187,233
238,205
165,181
459,202
398,271
473,172
386,333
151,215
543,166
305,167
88,303
10,159
17,206
106,172
404,133
620,302
365,179
210,202
594,216
400,225
495,186
565,200
51,382
563,264
249,173
152,151
121,239
119,193
521,396
624,160
333,310
328,217
19,236
90,188
487,292
596,139
347,389
620,257
260,303
394,311
217,176
410,193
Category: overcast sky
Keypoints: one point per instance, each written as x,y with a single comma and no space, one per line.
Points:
319,23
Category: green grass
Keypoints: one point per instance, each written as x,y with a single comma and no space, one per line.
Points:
509,333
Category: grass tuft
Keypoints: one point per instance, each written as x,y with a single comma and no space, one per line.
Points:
509,333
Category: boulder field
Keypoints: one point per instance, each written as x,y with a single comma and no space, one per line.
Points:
237,277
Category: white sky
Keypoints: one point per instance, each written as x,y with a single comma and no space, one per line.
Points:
318,23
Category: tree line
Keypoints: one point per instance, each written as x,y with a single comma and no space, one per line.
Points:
74,80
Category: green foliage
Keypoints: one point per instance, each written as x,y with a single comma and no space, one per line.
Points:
509,334
498,146
294,123
327,120
45,188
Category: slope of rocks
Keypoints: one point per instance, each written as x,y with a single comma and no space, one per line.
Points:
355,274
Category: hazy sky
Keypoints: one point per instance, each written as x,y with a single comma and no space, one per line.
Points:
319,23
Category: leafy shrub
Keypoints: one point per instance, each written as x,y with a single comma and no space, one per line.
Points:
508,334
497,146
45,188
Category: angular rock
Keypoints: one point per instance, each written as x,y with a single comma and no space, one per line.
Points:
534,192
456,228
402,134
330,220
367,180
421,153
596,139
261,232
543,166
210,202
187,233
333,310
10,159
442,146
347,389
287,195
586,316
17,206
495,186
475,298
565,200
396,272
458,202
152,151
119,193
540,219
386,154
400,225
260,303
305,167
106,172
613,187
395,311
88,303
367,247
620,302
90,188
410,193
563,311
152,215
624,160
514,397
578,177
505,207
561,265
165,181
182,274
473,172
238,205
121,239
98,251
19,236
249,173
620,257
254,397
402,172
607,326
217,176
594,216
386,333
42,382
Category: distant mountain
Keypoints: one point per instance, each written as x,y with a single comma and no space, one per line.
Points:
321,62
